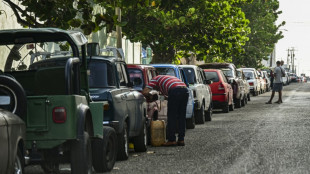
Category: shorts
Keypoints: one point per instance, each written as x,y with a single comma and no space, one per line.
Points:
277,87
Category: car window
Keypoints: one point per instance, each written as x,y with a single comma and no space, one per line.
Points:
101,74
149,75
223,77
165,71
212,76
136,76
228,72
121,75
249,74
239,74
190,75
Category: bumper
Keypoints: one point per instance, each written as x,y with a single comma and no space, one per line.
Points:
218,104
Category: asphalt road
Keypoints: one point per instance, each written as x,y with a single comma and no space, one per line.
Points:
257,138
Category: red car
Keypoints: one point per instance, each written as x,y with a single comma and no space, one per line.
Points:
222,92
140,75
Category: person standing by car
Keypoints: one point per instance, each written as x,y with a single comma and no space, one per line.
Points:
278,84
177,94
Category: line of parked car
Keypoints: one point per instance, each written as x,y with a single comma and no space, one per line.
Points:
64,100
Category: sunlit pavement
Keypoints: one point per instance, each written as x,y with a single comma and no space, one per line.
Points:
257,138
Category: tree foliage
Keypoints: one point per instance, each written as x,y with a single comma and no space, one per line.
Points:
262,15
211,30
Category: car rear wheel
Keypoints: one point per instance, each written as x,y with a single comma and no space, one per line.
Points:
200,119
209,112
249,97
190,122
238,103
19,163
123,144
243,101
140,142
104,151
226,107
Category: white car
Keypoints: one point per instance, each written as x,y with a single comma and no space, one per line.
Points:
202,93
253,80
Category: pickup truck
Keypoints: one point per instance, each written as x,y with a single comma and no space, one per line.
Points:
109,81
175,70
48,89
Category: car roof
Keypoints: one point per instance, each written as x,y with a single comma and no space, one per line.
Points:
212,70
164,65
41,35
140,66
188,66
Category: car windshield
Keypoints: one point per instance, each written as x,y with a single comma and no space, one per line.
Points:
136,76
165,71
212,76
21,57
101,75
228,72
190,75
249,74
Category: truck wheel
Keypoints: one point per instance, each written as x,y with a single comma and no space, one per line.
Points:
200,119
190,122
19,163
104,151
209,113
140,142
123,144
9,87
81,160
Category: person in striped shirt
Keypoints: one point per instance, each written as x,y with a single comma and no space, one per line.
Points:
177,94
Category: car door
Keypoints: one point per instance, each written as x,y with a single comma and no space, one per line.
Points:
205,89
125,95
190,102
4,144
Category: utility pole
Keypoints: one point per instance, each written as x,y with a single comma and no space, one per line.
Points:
118,28
288,59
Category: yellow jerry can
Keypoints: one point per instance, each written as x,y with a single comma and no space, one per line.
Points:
158,132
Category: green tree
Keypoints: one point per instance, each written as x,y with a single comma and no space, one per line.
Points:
262,15
212,30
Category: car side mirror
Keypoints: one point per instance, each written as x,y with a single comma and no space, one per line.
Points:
93,49
209,82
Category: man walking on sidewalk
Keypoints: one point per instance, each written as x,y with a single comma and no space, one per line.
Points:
278,83
177,94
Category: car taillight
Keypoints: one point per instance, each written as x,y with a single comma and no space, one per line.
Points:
221,87
59,114
251,84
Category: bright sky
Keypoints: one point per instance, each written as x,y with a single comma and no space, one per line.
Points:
296,32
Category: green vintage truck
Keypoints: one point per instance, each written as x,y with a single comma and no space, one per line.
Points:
44,80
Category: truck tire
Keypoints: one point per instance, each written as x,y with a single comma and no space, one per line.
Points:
190,122
19,162
123,144
81,160
11,88
104,151
140,142
200,119
209,112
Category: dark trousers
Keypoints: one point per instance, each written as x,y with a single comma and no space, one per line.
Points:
177,102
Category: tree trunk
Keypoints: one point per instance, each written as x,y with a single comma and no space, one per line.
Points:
166,56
